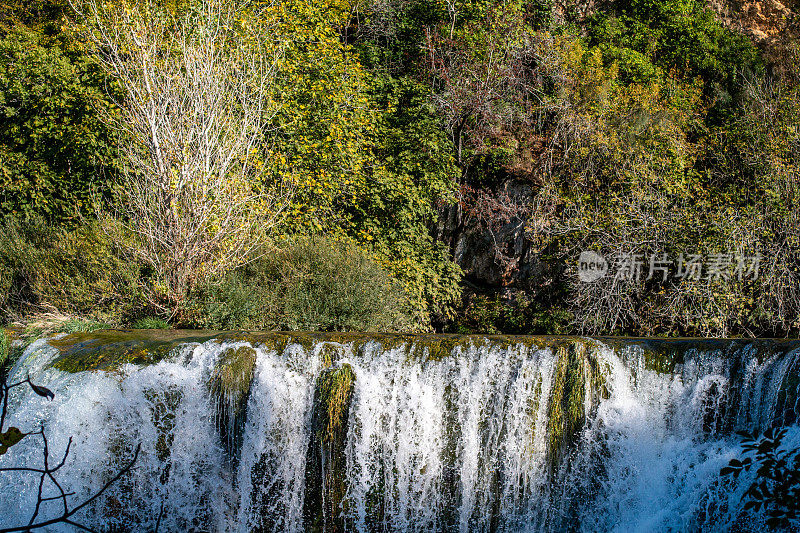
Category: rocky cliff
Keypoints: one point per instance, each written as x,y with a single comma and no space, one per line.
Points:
774,25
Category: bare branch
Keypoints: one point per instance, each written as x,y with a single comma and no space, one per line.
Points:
197,104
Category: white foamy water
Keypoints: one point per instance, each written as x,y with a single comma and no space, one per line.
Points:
458,444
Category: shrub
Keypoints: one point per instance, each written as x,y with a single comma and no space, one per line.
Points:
56,153
511,314
78,272
679,36
150,322
314,284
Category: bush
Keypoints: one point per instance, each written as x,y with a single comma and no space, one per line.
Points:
150,322
56,154
679,36
314,284
511,314
78,272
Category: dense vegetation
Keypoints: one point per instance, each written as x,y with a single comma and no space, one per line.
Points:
386,129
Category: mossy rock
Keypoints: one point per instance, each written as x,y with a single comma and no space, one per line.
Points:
421,347
577,376
229,385
164,405
325,504
663,355
112,348
108,349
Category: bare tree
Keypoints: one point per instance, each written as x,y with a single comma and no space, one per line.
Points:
197,104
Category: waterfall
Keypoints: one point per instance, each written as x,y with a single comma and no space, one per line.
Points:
367,433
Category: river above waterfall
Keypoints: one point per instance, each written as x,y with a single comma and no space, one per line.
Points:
375,432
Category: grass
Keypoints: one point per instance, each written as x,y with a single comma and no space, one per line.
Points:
5,348
37,327
150,322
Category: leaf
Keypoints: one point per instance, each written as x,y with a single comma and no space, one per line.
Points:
9,438
749,505
44,392
727,470
774,522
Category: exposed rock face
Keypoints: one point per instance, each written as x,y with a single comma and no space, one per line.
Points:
487,235
763,20
772,24
564,10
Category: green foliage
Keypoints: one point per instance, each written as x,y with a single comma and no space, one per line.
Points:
5,349
539,13
314,284
71,326
55,152
44,15
650,124
366,153
9,438
320,132
398,198
517,315
150,322
79,272
680,36
336,287
776,489
390,36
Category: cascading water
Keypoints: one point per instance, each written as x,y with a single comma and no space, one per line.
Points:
398,433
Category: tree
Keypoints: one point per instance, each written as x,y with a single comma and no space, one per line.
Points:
197,104
55,152
365,150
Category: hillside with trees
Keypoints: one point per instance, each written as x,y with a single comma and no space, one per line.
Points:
401,165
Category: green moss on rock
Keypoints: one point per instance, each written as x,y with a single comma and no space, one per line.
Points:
325,502
112,348
229,385
578,376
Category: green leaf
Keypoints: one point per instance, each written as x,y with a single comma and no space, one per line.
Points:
9,438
